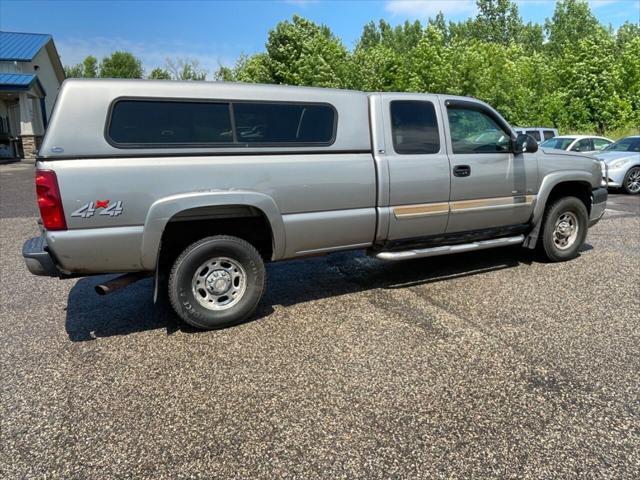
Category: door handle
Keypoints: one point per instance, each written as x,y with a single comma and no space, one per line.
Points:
461,171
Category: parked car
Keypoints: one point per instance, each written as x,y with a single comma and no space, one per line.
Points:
622,160
540,134
577,143
207,181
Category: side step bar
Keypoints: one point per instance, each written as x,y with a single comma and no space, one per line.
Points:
449,249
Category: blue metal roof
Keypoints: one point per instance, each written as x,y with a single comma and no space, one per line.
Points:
21,47
16,81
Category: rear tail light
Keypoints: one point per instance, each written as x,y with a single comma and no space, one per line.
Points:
49,200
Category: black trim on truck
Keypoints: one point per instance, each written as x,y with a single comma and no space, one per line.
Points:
38,259
263,153
599,195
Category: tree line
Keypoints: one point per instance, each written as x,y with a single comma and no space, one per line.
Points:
572,72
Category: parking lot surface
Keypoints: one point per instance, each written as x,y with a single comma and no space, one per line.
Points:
492,364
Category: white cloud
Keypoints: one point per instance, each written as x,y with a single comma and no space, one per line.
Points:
153,54
430,8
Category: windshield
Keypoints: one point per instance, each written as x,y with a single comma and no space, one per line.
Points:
558,143
629,144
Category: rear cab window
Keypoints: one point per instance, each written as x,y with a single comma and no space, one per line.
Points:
535,134
414,127
141,123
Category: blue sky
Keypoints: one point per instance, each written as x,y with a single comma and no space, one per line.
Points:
217,32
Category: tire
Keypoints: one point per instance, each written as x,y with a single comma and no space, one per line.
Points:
631,182
208,271
561,242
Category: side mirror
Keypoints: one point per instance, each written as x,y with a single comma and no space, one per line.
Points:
525,143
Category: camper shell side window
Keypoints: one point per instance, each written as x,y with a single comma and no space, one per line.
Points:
190,123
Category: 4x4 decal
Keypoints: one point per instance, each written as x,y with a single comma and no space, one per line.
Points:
89,209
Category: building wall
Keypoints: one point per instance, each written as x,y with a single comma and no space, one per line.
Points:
47,76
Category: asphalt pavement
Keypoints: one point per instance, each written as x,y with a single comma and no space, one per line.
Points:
486,365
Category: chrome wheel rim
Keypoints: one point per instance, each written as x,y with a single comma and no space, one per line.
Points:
219,283
633,180
565,230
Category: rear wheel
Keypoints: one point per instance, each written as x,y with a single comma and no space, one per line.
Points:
564,229
216,282
631,182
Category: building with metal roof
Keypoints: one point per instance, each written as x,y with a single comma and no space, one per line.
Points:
30,77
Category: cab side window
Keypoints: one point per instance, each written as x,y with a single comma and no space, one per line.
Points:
414,127
473,131
548,134
583,145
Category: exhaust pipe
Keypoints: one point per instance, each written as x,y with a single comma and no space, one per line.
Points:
120,282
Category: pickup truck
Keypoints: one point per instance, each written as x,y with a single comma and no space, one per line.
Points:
202,183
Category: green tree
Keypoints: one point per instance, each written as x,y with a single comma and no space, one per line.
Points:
90,67
592,82
627,32
572,21
73,71
431,66
121,65
498,21
185,69
301,52
401,38
159,74
377,68
629,64
87,69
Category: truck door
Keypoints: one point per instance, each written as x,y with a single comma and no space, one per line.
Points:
418,166
490,186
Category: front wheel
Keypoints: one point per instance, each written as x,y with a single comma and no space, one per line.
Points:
216,282
564,229
631,182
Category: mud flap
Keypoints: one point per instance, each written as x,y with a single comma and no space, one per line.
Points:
532,239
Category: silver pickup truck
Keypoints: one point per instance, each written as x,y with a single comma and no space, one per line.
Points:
204,182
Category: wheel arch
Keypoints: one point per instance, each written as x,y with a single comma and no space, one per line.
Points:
555,185
209,205
562,184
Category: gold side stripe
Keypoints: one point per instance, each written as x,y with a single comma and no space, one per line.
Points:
427,209
410,211
520,200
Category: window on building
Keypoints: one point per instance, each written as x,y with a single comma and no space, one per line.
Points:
414,127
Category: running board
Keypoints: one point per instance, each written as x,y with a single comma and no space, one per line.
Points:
449,249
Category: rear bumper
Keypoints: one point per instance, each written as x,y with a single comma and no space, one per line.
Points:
38,259
598,205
